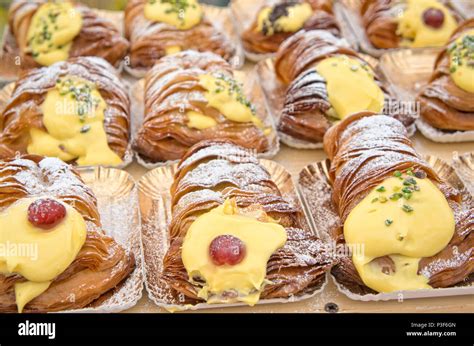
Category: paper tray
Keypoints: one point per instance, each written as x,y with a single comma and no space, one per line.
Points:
253,91
117,198
316,195
464,166
155,206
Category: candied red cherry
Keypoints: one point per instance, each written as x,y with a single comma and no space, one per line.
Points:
227,249
46,213
433,17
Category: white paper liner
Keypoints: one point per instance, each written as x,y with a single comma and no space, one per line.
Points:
10,71
441,136
243,15
155,206
464,167
6,92
221,18
408,70
253,90
401,295
117,198
202,306
464,7
316,196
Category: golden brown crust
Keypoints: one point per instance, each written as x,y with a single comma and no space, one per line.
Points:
149,40
171,89
365,149
380,23
255,41
100,265
306,48
98,36
304,114
213,171
23,110
443,104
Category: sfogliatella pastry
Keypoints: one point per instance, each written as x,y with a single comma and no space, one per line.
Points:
447,101
276,21
407,228
233,237
408,23
156,28
56,255
45,32
191,97
327,81
76,110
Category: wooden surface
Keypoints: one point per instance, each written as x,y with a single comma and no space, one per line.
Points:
294,160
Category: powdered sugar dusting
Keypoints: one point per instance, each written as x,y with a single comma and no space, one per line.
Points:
455,261
50,177
246,174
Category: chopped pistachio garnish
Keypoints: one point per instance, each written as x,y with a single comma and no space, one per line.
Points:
81,92
381,189
396,196
462,53
85,128
409,181
233,88
388,222
177,6
407,208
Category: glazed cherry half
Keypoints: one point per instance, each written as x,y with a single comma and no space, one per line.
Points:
433,17
227,249
46,213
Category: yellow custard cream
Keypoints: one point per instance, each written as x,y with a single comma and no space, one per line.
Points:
350,85
200,121
182,14
283,18
172,50
416,33
245,279
45,253
226,95
405,218
51,32
73,116
462,61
